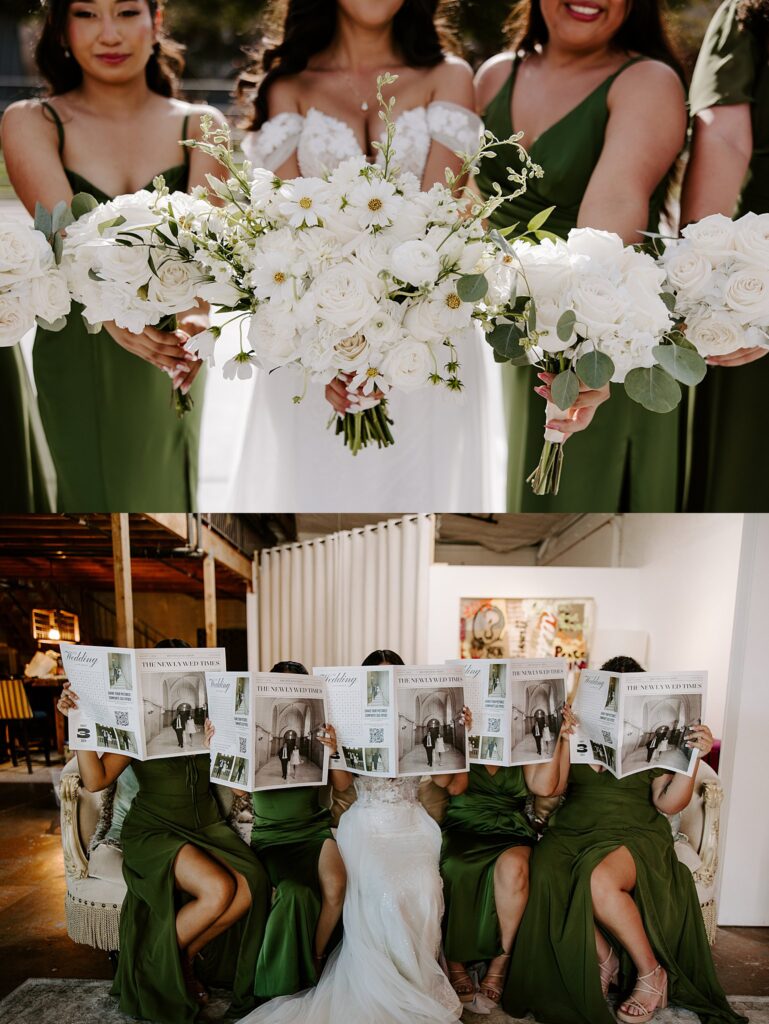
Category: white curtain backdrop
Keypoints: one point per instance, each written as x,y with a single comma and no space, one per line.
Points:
332,600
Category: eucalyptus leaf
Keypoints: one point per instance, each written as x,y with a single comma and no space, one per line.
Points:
61,216
564,389
681,363
653,388
669,299
58,248
107,224
565,326
532,316
81,204
594,369
539,219
472,287
506,340
43,220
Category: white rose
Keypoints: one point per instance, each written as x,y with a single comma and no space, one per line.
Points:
125,264
175,286
604,246
417,263
598,304
24,252
49,296
747,293
548,315
408,365
341,298
546,270
352,352
715,333
751,237
273,337
688,270
712,236
501,277
15,319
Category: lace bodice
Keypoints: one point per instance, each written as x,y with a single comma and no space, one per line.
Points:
372,791
322,142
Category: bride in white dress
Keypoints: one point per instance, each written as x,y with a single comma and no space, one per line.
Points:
316,107
385,970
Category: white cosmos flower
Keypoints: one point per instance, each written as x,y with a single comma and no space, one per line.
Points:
203,344
374,203
240,366
272,276
304,202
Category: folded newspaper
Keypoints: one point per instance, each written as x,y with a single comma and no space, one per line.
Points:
267,730
516,705
143,703
397,720
634,721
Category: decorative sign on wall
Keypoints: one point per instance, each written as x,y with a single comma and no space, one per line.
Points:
526,627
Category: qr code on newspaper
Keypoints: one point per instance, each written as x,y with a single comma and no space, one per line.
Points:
121,719
241,744
495,725
376,735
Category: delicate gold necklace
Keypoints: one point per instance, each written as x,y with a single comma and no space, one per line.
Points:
362,101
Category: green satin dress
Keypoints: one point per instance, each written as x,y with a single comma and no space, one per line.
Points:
114,436
480,824
729,461
554,968
175,806
290,828
27,471
628,459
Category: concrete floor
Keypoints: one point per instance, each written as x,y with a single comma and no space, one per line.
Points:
33,937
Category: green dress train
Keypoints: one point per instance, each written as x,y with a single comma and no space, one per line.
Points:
479,825
175,806
114,436
628,459
728,461
290,828
554,970
25,454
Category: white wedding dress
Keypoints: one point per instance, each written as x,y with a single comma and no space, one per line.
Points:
385,970
451,450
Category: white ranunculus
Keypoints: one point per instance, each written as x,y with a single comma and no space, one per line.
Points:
747,293
417,263
273,337
715,333
688,270
15,319
712,236
603,246
408,365
340,297
50,296
751,237
599,305
384,328
24,252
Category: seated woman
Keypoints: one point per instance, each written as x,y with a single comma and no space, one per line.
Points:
611,903
487,842
189,878
292,837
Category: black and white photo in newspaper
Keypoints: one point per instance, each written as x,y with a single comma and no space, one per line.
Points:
230,710
361,708
108,716
596,706
289,716
431,732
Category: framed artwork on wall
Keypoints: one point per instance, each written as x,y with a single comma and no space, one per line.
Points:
527,627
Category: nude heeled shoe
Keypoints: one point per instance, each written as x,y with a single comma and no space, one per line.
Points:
642,985
609,971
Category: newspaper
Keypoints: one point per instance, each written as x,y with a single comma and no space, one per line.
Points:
634,721
516,705
267,730
395,720
144,703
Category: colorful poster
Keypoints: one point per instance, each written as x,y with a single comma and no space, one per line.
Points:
527,627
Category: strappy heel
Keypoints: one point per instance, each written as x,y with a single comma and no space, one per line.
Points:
193,984
493,992
609,972
643,985
462,984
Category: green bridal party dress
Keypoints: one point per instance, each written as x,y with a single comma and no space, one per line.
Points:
25,485
289,830
175,806
729,462
554,969
480,824
114,436
628,458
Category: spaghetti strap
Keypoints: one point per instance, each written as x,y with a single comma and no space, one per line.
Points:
57,121
186,149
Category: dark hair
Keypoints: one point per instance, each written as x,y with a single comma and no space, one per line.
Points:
294,667
383,657
306,27
622,663
172,643
643,31
62,72
753,16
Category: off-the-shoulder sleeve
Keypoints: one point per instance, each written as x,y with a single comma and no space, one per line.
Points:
455,127
274,142
728,63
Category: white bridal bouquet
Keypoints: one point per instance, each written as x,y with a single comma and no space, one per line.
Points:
719,274
592,310
32,287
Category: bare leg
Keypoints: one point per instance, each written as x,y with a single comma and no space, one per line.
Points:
211,887
239,907
611,883
511,892
333,882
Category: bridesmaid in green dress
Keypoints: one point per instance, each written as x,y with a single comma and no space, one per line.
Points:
114,436
292,837
611,903
25,458
597,92
194,887
728,173
487,842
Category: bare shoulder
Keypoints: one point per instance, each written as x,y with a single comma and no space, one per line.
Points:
283,95
452,80
490,78
195,112
27,121
648,83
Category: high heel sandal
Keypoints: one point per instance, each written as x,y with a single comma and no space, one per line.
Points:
194,985
493,991
609,972
462,984
642,985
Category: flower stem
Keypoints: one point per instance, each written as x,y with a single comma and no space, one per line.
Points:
546,478
360,429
